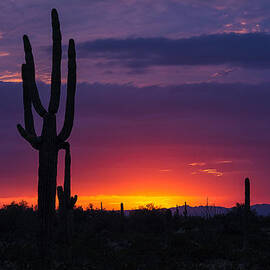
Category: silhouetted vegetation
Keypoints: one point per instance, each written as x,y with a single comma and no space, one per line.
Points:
153,238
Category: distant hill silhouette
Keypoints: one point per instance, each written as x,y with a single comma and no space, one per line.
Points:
261,210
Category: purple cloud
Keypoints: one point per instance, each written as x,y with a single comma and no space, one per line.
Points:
245,50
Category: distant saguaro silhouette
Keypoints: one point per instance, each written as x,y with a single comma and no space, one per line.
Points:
247,194
122,209
185,210
246,213
177,211
49,143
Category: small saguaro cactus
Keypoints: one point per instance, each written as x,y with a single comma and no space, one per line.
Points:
101,207
177,211
122,218
185,211
66,203
49,143
122,209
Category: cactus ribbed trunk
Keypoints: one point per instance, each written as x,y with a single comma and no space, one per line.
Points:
46,196
47,173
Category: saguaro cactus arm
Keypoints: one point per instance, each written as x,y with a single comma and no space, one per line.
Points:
56,64
29,59
64,194
28,133
27,103
33,140
61,197
71,89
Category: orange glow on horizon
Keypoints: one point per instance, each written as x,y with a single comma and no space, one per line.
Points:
138,177
112,202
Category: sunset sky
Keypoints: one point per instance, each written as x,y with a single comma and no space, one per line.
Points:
172,102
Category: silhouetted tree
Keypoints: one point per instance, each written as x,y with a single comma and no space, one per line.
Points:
49,143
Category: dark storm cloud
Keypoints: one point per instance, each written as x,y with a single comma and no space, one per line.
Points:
245,50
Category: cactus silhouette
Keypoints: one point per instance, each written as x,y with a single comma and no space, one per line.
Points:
66,202
122,209
177,211
185,211
122,218
49,143
247,194
246,213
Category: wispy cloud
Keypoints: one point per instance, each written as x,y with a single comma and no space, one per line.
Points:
165,170
214,172
8,76
197,164
4,53
224,162
223,73
242,27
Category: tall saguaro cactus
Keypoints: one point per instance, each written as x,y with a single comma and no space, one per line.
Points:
246,212
247,194
49,143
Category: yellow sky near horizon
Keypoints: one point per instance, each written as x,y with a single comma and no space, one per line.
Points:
110,202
